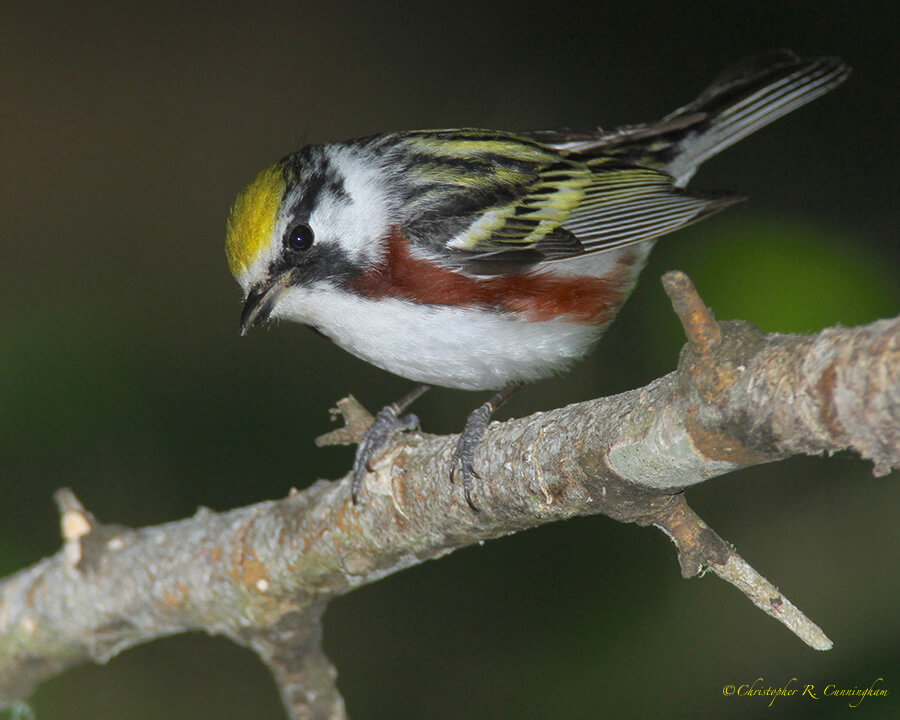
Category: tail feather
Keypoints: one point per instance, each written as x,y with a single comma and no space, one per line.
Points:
740,101
745,99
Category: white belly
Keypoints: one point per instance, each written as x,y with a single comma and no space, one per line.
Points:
469,349
440,345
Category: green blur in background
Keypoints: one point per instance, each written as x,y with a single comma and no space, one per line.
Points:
127,130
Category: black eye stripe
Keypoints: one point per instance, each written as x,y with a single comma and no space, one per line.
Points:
299,238
323,261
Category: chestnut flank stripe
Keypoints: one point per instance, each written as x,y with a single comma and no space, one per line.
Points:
539,296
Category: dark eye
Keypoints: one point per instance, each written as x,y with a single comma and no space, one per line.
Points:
300,237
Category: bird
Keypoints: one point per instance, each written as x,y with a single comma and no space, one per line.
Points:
483,260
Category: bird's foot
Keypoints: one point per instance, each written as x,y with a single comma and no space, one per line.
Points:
387,423
462,465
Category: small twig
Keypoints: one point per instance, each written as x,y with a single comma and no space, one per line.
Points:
74,521
75,525
356,421
771,601
700,547
698,321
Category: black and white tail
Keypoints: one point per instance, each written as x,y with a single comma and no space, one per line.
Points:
745,99
739,102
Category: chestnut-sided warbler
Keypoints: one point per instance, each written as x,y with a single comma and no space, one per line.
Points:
480,260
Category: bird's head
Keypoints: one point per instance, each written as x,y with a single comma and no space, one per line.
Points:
314,219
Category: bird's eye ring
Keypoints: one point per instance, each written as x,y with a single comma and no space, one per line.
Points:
299,238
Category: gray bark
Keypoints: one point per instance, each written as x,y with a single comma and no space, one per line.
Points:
262,575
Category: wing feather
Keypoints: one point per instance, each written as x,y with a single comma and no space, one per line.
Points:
497,203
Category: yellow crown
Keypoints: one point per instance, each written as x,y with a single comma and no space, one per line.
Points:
252,219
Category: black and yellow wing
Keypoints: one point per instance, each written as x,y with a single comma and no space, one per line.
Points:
497,203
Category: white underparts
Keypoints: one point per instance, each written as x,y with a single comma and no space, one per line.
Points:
469,349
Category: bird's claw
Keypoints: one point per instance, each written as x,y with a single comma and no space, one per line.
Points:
387,423
462,464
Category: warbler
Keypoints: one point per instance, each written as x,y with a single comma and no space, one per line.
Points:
482,260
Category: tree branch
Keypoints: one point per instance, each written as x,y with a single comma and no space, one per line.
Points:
262,575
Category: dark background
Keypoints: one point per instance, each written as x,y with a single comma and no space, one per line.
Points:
127,129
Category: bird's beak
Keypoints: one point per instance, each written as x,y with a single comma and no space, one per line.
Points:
261,300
